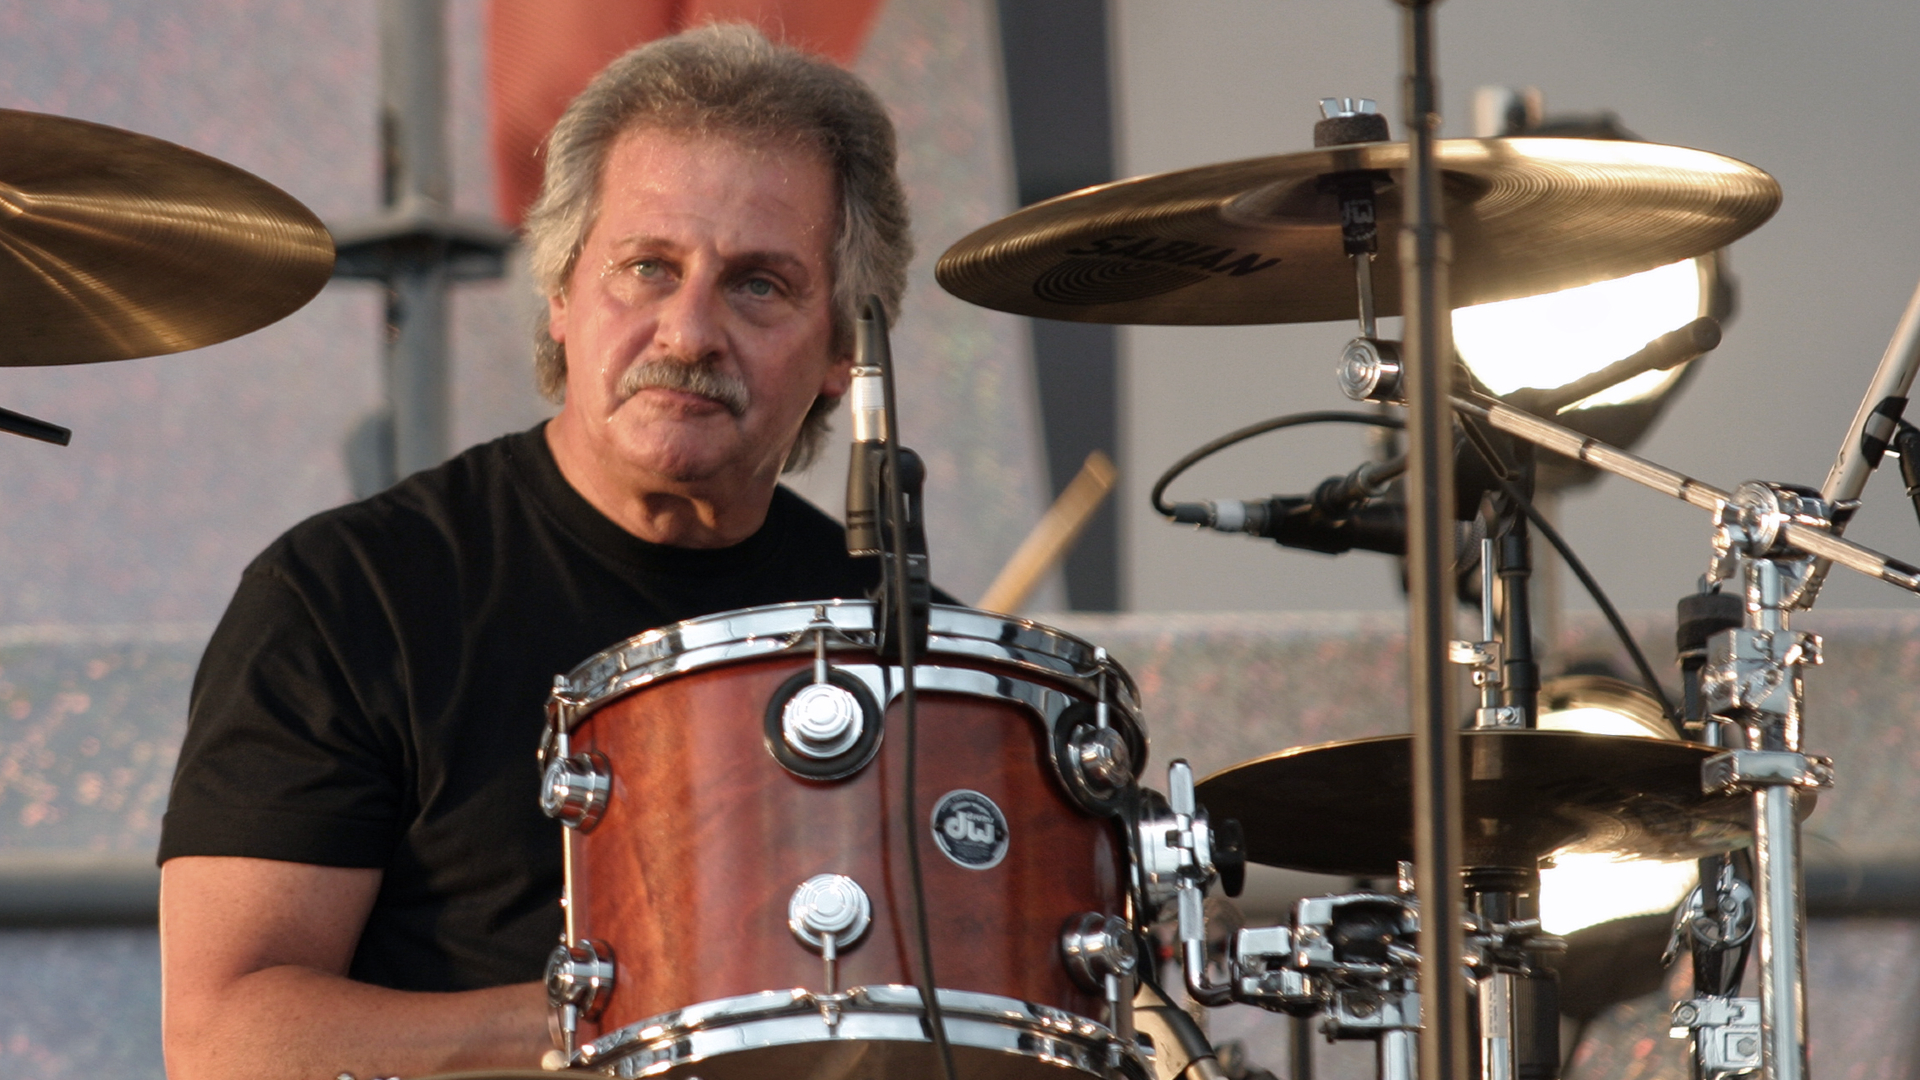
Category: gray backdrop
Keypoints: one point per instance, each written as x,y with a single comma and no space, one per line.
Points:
1819,95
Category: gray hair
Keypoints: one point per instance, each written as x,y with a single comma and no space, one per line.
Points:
731,81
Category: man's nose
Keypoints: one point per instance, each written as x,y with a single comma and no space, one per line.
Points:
690,325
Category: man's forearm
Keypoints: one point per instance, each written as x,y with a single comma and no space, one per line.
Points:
303,1024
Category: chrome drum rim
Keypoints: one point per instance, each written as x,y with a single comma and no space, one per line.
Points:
884,1013
954,632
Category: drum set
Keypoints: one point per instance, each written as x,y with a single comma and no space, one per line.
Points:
857,839
744,895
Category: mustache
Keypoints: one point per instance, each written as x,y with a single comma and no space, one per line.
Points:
701,377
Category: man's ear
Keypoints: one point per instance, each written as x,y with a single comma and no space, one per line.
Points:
557,317
838,379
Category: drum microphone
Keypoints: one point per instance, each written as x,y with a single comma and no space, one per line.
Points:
1668,351
867,402
1301,522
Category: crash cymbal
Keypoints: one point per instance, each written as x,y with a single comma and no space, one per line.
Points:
1347,807
115,245
1258,241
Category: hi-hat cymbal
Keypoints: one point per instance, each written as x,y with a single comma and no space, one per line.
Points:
115,245
1347,807
1258,241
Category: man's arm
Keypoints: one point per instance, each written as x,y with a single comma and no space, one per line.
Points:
254,955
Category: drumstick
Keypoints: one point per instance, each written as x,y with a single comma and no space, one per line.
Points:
1053,536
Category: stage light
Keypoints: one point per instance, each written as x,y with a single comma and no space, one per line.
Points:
1584,890
1545,342
1579,891
1601,705
1551,340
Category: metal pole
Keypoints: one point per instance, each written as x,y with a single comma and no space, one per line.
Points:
1776,863
413,109
1425,254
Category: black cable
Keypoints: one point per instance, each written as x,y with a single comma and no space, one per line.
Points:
1579,571
1321,416
909,715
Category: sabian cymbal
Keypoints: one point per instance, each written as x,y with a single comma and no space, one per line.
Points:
1347,807
1258,241
115,245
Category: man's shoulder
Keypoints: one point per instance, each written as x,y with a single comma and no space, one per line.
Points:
418,520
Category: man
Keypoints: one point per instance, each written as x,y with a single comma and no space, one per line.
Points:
356,875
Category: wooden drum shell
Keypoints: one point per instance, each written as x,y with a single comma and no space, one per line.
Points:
705,837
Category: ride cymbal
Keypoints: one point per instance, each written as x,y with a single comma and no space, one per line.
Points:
1258,241
1347,807
115,245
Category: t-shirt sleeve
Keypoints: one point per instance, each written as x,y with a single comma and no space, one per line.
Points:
282,759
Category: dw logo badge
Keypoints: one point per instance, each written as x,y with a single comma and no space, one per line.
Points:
970,829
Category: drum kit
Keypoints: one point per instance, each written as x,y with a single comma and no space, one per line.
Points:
746,798
743,897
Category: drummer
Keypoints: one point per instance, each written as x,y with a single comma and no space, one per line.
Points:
356,874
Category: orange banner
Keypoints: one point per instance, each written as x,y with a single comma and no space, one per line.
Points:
540,53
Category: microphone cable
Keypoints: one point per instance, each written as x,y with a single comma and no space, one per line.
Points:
909,713
1539,522
1319,416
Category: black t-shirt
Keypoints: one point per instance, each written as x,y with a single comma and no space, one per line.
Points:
374,695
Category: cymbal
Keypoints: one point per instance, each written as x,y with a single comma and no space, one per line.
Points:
1258,241
115,245
1347,807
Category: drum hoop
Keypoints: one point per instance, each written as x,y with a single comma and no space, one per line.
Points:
748,633
886,1012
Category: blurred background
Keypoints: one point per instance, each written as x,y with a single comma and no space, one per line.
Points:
118,552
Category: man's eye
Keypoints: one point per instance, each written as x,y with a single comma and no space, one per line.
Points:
758,286
648,268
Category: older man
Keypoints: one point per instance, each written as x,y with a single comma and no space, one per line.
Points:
356,875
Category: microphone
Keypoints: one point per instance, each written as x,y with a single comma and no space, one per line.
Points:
1300,522
867,402
1669,350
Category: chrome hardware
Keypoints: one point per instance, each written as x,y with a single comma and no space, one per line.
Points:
1371,370
1099,761
1758,672
579,980
989,644
1487,657
1097,947
847,625
1332,108
1176,865
829,912
1726,1034
1753,683
1745,770
576,788
821,721
1730,926
1099,953
794,1019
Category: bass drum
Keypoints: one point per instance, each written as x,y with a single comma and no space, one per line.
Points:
738,900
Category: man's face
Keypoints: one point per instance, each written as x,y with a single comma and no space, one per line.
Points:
698,319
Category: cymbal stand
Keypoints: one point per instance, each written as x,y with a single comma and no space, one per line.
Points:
1766,536
1715,922
1753,682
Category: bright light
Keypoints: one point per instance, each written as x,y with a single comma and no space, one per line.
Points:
1585,890
1548,341
1594,720
1601,705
